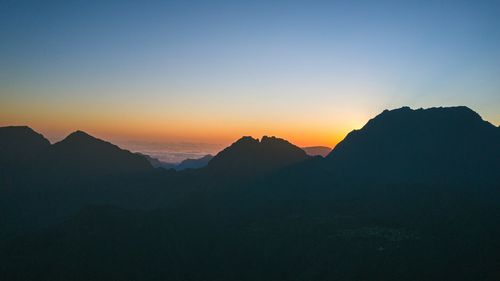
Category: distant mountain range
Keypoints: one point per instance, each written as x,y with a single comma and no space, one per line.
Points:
156,163
194,163
80,151
317,150
183,165
412,195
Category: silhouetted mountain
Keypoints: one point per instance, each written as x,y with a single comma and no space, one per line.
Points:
20,144
322,151
406,144
194,163
82,154
413,195
249,155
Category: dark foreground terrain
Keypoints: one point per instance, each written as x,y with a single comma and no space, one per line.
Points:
413,195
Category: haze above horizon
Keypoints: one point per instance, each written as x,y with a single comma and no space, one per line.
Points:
208,73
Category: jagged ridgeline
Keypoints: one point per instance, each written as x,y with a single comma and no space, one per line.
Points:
412,195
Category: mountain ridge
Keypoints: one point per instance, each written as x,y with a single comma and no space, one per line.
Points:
408,185
407,143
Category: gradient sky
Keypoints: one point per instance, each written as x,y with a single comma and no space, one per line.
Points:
212,71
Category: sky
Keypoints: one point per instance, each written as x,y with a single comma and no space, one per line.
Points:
204,73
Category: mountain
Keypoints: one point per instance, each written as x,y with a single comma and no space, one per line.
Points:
405,144
413,195
19,145
82,154
194,163
249,155
322,151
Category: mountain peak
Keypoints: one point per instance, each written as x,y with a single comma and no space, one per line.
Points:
20,131
406,109
272,139
80,136
82,140
249,155
403,141
463,112
17,128
19,144
408,120
246,140
80,151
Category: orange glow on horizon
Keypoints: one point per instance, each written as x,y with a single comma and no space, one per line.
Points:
55,123
177,131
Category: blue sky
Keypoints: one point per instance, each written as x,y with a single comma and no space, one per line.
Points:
210,71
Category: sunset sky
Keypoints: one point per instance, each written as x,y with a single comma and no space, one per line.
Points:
209,72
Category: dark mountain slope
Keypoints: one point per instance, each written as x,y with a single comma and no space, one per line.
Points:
184,165
410,145
19,145
82,154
